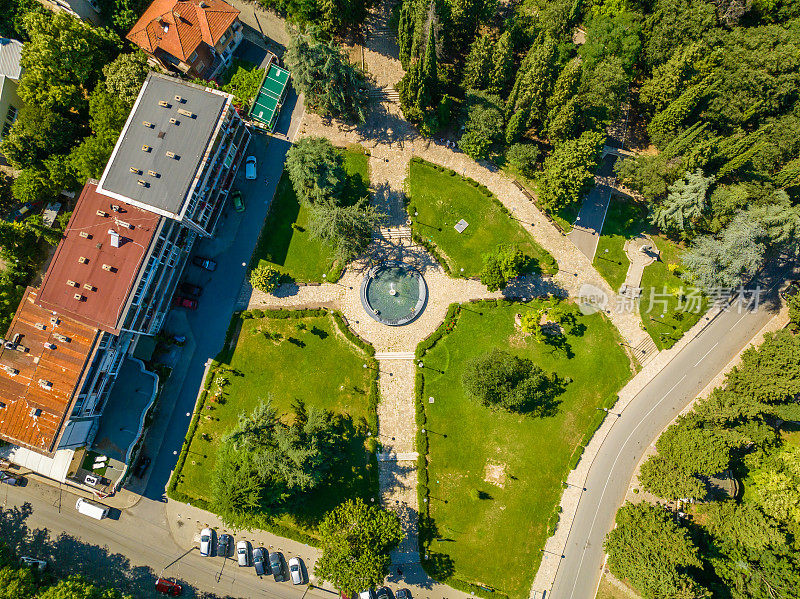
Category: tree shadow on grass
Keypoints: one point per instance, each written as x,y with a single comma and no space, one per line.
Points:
533,286
67,555
351,477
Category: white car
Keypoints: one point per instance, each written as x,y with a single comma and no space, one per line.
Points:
295,571
243,553
250,168
205,542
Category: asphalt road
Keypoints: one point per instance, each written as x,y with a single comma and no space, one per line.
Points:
123,551
586,230
642,420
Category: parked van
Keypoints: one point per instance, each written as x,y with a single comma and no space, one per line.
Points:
91,509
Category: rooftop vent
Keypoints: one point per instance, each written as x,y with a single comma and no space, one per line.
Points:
148,124
72,283
114,238
123,224
114,208
143,183
152,173
39,325
163,103
135,171
146,148
2,404
101,213
54,321
107,267
61,338
44,384
78,297
11,371
185,112
89,287
85,235
49,345
36,412
203,5
174,121
179,99
172,155
83,260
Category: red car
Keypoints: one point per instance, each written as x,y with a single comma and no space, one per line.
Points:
168,587
185,302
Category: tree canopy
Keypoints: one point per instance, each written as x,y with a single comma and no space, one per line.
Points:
356,539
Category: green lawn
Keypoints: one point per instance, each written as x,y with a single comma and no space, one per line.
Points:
442,198
317,365
495,540
667,306
292,250
624,220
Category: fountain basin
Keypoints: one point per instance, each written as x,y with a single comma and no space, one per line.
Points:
394,293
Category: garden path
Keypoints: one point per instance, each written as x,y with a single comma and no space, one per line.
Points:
392,142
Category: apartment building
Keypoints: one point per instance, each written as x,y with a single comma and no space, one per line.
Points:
116,269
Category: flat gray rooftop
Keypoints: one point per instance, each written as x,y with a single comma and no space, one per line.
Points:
160,149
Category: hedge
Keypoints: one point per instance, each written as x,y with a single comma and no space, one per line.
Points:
431,249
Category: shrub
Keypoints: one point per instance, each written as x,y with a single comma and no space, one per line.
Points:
265,278
524,158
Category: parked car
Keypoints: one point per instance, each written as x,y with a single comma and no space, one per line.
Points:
141,466
6,478
258,561
276,565
168,587
180,301
238,203
224,545
295,571
384,593
402,594
790,290
206,263
368,594
250,168
39,564
243,553
205,541
190,289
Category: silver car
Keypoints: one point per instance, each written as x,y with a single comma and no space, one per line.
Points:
258,560
205,542
295,571
243,553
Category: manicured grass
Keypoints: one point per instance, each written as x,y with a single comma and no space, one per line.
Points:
317,365
494,540
624,220
611,591
669,306
292,250
442,198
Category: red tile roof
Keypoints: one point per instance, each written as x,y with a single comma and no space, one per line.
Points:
87,264
179,26
41,373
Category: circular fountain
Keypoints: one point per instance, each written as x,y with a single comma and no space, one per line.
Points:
394,293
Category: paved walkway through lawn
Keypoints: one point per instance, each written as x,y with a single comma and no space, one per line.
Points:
392,143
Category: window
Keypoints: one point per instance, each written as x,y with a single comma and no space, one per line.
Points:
193,57
11,116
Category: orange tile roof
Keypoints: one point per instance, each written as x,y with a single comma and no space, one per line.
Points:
87,264
41,373
179,26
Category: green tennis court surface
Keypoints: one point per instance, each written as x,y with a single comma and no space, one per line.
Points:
268,101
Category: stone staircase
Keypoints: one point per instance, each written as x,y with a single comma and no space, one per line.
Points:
394,355
645,350
385,94
402,232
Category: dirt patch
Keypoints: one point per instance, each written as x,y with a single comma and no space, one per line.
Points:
495,474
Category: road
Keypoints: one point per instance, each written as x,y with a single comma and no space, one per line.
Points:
638,426
586,230
124,551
